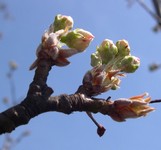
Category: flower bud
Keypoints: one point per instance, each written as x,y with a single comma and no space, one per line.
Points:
107,51
114,87
50,41
78,39
62,22
130,64
96,59
123,47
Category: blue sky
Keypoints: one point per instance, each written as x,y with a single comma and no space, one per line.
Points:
104,19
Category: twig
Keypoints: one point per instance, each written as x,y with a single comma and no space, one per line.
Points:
13,88
100,128
39,100
148,10
156,101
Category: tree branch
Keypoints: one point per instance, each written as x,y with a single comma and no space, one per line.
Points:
39,100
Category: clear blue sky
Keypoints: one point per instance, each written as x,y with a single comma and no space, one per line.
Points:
105,19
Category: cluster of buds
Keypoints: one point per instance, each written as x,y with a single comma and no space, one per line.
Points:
60,34
134,107
109,62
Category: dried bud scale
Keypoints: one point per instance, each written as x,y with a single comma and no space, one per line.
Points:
134,107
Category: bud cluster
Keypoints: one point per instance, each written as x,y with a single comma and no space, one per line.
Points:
60,34
109,62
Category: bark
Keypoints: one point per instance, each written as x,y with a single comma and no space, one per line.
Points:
39,100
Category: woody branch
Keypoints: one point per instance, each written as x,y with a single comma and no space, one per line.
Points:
109,63
39,100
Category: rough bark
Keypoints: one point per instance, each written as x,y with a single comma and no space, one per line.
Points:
39,100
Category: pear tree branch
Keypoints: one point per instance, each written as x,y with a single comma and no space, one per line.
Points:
39,100
109,63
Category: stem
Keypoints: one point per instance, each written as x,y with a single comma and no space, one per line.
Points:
92,118
13,89
100,129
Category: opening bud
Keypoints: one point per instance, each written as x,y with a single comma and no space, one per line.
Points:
130,64
95,59
134,107
78,39
105,52
123,48
62,22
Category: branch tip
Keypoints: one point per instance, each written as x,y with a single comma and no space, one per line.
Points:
155,101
